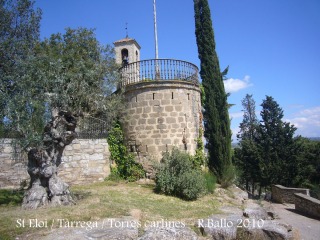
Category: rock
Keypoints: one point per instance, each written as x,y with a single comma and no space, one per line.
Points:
231,210
169,233
239,193
270,229
255,211
220,227
271,211
125,228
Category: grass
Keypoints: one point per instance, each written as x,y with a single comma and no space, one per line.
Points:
108,200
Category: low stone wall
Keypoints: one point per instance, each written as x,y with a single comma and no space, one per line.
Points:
283,194
13,168
307,205
83,161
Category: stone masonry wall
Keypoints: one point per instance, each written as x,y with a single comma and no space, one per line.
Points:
162,115
283,194
13,169
307,205
83,161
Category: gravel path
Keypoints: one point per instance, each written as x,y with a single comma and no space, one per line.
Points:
309,228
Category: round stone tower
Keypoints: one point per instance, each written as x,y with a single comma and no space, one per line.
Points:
163,103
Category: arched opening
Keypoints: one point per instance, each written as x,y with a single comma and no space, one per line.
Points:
137,56
125,56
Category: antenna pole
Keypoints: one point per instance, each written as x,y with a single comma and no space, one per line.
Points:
127,30
155,28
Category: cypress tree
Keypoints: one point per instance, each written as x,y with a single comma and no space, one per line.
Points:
216,117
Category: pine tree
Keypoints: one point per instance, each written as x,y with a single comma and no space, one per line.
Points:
276,142
216,117
248,126
247,155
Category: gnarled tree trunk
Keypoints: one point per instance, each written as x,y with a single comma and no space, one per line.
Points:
46,188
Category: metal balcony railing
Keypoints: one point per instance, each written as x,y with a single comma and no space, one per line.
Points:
158,70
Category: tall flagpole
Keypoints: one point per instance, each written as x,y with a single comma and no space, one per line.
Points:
155,28
157,71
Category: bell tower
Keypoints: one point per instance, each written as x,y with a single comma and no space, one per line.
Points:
127,51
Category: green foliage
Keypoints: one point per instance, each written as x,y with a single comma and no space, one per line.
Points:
176,176
70,72
307,165
199,158
114,174
19,34
10,197
228,176
269,153
216,116
276,145
126,167
211,180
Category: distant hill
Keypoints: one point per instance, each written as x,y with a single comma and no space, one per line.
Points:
317,139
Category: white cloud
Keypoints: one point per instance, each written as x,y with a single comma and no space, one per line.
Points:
307,121
236,115
234,85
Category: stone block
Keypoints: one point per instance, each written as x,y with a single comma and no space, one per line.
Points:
139,128
150,127
156,136
142,103
142,121
76,146
178,108
174,114
133,122
161,120
146,109
166,141
139,110
158,96
155,102
96,156
175,126
161,126
169,108
176,102
171,120
99,150
153,115
165,102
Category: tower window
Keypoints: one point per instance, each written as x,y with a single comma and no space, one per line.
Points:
137,56
153,96
125,56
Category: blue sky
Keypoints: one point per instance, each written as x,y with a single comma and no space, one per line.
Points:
272,47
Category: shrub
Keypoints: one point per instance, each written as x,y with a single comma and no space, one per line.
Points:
126,166
228,176
114,174
210,181
176,176
11,197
